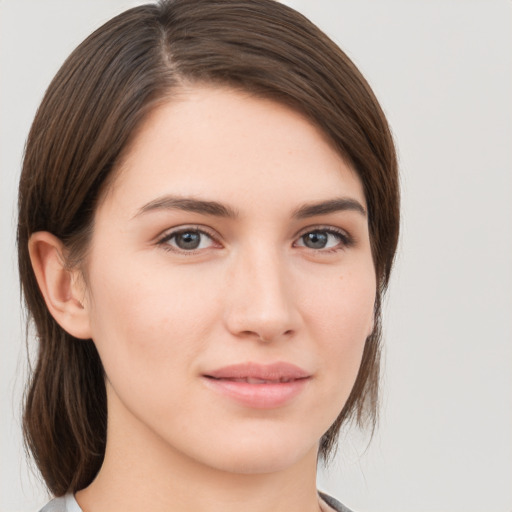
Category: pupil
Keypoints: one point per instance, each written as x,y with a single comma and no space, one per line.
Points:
188,240
315,240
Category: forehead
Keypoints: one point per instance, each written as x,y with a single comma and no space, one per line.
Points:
231,146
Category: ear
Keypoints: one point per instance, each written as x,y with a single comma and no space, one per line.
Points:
63,289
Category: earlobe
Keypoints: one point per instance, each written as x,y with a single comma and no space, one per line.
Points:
59,285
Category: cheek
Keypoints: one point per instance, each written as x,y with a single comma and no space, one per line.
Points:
143,320
344,304
341,318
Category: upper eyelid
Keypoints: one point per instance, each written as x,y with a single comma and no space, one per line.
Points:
323,227
170,232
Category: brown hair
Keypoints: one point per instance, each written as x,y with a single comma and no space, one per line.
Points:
87,118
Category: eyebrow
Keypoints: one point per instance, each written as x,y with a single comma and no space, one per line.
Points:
217,209
189,204
329,206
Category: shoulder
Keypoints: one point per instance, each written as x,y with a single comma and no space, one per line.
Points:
334,503
63,504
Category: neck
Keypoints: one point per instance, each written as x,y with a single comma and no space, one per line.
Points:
142,471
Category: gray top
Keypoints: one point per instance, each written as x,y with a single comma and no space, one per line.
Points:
63,504
68,504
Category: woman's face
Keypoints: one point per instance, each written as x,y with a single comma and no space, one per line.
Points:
230,284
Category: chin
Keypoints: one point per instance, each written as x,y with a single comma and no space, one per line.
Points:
259,455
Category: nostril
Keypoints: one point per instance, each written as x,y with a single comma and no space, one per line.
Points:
267,338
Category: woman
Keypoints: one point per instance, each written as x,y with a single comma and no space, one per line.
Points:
208,214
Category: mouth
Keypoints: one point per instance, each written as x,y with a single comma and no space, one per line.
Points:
259,386
260,373
253,380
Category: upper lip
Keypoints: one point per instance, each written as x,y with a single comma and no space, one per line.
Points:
275,372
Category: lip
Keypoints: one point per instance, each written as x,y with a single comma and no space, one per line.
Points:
258,386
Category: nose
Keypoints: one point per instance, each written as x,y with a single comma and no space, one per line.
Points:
260,302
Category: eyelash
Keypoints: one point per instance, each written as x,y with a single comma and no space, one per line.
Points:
164,241
345,240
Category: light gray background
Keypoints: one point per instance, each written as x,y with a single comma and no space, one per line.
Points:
443,73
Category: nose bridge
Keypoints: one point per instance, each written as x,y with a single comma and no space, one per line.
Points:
261,299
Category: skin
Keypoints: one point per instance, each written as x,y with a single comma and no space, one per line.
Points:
162,316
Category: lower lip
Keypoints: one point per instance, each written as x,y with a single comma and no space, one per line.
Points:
258,396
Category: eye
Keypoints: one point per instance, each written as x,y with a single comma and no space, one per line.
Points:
321,239
187,240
